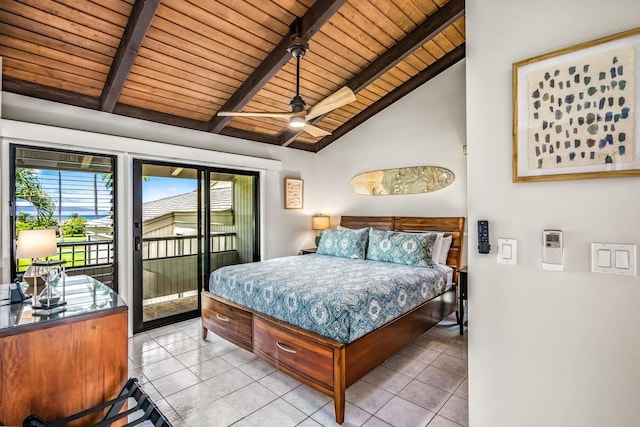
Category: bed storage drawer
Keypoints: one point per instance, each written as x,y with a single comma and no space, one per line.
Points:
229,322
301,355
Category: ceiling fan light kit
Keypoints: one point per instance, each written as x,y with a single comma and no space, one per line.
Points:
297,122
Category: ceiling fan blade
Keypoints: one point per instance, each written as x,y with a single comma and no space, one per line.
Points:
280,115
315,131
342,97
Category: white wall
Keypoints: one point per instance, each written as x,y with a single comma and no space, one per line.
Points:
425,128
545,348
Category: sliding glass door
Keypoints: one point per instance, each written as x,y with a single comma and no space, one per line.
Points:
188,221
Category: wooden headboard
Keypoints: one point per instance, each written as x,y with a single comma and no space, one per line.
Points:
451,226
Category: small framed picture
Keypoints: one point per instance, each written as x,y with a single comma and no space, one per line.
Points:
293,193
575,111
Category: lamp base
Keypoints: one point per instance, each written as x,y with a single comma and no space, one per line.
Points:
49,297
48,306
40,311
318,240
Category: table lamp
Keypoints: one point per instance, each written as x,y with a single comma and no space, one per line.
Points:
36,245
319,223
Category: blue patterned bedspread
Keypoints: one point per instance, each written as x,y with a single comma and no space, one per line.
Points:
339,298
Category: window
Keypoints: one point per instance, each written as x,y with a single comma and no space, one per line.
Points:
74,193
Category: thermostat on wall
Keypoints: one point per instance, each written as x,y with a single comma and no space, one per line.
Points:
552,250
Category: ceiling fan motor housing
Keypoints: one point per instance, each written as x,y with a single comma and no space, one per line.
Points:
297,104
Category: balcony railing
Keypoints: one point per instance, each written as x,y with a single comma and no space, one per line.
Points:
95,257
79,254
176,246
170,269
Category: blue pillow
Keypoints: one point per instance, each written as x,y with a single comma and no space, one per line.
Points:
401,248
344,243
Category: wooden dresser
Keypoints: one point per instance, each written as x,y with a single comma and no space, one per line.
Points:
71,361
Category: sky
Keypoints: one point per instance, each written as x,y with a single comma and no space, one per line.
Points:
159,187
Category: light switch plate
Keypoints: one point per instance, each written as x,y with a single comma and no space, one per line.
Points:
613,258
507,251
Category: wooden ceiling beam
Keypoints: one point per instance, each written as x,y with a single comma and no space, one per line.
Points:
309,24
432,26
36,90
410,85
159,117
134,33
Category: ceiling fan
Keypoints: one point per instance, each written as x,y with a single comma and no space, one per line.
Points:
299,117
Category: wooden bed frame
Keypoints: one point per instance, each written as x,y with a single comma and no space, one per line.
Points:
327,365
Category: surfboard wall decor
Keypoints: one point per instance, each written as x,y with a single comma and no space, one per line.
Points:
409,180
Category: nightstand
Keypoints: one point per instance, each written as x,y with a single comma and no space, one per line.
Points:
308,251
462,297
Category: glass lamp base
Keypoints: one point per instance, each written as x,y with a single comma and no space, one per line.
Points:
48,298
48,303
49,311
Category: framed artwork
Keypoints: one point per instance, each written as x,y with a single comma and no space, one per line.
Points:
293,193
576,111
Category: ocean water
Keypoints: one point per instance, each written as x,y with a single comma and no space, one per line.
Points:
66,214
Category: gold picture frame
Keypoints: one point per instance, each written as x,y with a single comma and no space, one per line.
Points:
293,193
576,111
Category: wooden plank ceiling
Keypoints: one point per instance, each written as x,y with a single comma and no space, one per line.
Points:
180,62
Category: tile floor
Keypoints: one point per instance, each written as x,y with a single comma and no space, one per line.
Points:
213,383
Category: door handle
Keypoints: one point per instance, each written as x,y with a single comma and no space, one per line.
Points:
138,244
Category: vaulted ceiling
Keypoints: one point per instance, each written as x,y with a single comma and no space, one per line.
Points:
181,62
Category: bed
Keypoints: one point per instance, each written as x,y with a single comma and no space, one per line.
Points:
329,347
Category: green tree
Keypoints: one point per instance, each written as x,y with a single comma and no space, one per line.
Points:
28,188
22,222
107,178
44,222
74,225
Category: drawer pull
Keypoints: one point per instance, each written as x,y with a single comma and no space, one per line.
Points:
221,317
285,348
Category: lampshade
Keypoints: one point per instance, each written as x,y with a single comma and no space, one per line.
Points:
320,222
36,243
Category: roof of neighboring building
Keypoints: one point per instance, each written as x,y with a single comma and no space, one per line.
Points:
187,202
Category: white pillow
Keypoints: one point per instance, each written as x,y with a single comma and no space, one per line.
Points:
444,250
435,251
